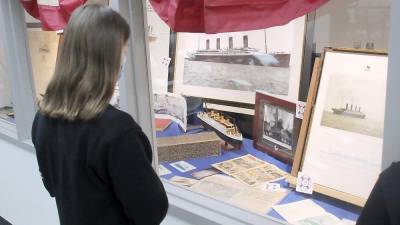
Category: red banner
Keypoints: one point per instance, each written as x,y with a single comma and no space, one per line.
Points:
216,16
53,14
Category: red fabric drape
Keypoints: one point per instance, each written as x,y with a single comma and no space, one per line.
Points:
216,16
53,17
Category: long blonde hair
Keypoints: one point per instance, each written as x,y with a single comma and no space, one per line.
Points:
88,64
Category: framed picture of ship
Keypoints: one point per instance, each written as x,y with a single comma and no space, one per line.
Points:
232,66
275,127
343,141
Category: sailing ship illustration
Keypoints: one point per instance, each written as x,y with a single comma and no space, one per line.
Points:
245,55
223,126
352,111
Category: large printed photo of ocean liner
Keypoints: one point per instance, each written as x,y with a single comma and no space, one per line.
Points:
232,66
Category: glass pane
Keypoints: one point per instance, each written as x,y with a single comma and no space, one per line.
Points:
353,24
205,123
6,103
43,48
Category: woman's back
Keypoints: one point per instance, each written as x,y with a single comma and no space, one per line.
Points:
99,171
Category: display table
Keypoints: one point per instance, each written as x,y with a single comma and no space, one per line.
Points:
338,208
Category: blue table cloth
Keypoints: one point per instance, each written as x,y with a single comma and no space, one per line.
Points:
340,209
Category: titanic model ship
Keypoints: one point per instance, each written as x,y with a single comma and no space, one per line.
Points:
349,111
245,55
223,127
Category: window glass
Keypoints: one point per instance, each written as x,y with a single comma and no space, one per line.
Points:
207,124
43,49
353,24
6,103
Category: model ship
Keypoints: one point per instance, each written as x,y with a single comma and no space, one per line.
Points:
245,55
349,111
223,127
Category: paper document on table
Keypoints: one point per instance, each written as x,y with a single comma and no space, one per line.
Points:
296,211
348,222
183,181
229,190
250,170
162,170
323,219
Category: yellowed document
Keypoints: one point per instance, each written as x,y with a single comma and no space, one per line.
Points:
251,170
230,190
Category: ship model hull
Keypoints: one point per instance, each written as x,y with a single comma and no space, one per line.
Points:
213,125
349,113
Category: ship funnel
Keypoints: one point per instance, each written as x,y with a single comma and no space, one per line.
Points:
245,41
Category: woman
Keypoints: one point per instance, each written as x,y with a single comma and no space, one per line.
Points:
94,159
383,204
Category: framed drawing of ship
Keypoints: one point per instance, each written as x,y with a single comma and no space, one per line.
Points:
232,66
275,127
343,141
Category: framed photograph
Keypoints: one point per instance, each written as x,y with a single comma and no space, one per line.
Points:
275,127
232,66
343,141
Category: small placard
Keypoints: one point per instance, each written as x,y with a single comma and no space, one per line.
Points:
183,166
273,187
162,170
165,61
300,109
304,183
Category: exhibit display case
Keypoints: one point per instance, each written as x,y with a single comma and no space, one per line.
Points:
286,163
252,126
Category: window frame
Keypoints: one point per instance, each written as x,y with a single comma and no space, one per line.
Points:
19,73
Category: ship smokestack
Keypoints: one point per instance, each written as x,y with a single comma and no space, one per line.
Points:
245,41
230,42
218,43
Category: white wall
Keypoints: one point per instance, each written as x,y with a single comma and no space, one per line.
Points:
23,199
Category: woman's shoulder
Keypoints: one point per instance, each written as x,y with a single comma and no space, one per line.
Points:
392,171
118,119
390,180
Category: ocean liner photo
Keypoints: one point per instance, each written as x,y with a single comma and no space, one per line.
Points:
349,111
223,126
245,55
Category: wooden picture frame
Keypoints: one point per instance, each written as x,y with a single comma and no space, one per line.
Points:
275,127
319,97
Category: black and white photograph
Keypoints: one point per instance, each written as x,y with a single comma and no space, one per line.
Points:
356,102
278,127
232,66
238,61
171,106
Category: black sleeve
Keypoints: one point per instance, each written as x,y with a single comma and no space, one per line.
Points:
135,183
39,155
374,211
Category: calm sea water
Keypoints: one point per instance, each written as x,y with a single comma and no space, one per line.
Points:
274,80
362,126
